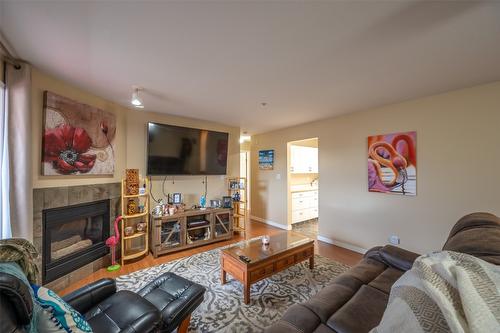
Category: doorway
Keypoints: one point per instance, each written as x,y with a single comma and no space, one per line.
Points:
303,186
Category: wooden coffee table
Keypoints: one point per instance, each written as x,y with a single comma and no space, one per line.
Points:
285,249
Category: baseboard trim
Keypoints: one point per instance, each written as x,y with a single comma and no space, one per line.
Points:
342,244
272,223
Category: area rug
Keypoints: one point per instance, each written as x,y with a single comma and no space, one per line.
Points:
223,309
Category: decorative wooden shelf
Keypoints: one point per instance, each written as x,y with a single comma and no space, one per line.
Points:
133,255
240,207
129,252
135,215
137,234
135,195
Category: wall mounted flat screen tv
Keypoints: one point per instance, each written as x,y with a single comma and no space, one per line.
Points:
175,150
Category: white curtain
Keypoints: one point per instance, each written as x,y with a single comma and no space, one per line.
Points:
5,229
15,147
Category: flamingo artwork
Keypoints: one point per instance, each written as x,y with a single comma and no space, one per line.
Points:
392,163
112,242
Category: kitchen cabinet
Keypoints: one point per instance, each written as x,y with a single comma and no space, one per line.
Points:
303,159
304,205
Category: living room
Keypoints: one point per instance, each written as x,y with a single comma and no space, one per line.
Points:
96,96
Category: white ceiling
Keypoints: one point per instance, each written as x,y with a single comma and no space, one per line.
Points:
219,60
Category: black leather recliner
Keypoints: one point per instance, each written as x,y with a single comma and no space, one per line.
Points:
159,307
105,309
109,311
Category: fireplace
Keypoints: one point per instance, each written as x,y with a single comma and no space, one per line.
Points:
73,236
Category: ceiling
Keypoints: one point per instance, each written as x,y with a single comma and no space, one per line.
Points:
220,60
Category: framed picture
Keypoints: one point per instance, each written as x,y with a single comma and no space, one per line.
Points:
392,163
266,159
227,202
77,138
177,198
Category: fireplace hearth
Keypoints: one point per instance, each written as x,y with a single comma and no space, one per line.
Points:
73,236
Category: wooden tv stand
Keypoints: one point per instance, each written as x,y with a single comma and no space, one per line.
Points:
191,228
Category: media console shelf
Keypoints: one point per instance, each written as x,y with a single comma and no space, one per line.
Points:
191,228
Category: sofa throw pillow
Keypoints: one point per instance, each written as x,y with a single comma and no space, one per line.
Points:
60,313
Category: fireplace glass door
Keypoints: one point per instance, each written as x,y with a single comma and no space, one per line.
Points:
73,237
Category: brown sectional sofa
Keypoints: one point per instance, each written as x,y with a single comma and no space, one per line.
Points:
356,300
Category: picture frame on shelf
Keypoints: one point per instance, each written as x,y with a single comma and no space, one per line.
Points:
177,198
227,202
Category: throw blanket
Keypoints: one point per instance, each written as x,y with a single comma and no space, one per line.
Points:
23,253
445,292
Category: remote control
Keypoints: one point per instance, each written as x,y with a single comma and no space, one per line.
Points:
245,259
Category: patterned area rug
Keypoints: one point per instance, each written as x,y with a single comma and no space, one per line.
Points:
223,309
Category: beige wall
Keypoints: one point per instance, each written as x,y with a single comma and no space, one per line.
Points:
130,144
458,161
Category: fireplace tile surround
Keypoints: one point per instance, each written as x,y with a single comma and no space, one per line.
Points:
54,197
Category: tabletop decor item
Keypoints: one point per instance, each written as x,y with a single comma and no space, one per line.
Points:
131,207
128,231
141,226
112,242
77,138
177,198
140,208
392,163
132,181
265,240
227,202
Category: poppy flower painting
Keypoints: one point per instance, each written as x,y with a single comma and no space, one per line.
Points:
392,163
77,139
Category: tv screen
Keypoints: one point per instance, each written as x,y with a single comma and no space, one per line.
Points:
175,150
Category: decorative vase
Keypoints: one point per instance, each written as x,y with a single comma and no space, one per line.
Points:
141,226
265,240
128,231
131,207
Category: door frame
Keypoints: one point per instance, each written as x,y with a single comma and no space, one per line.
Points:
289,179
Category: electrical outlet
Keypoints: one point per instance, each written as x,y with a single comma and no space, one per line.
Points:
278,176
394,240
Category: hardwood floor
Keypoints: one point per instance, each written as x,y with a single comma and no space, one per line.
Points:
254,229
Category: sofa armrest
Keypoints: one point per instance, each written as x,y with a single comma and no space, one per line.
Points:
86,297
397,257
373,253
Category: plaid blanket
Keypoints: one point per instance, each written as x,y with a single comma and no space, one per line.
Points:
22,252
445,292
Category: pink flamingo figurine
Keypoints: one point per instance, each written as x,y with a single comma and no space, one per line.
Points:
112,242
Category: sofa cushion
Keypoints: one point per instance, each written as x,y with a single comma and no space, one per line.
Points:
365,271
361,313
384,281
330,299
297,319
